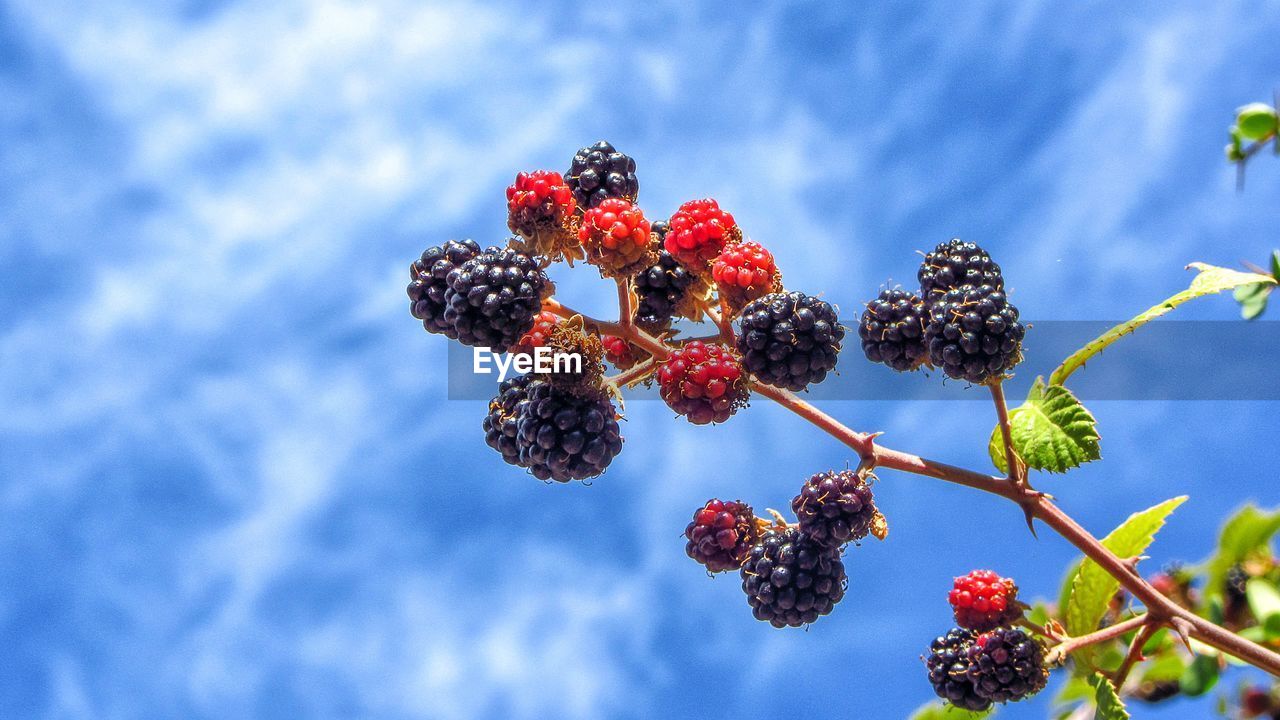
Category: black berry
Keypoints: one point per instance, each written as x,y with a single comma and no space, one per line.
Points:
948,665
1006,664
974,333
835,508
600,172
500,425
955,263
662,289
790,580
565,436
789,340
721,534
430,284
494,297
892,330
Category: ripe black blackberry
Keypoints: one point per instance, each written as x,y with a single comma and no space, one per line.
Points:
789,339
430,283
599,172
892,330
662,288
835,508
955,263
494,297
500,425
790,580
948,665
974,333
565,436
1006,664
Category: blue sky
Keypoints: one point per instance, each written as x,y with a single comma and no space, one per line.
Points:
231,485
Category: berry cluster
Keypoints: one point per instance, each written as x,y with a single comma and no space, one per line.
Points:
704,383
986,659
961,321
541,210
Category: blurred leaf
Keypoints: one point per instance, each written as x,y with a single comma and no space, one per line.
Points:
1256,121
1249,530
1200,676
1166,666
1051,431
1264,601
1039,613
937,710
1275,258
1211,279
1093,587
1108,702
1253,299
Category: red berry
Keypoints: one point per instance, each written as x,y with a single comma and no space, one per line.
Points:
744,272
982,601
616,237
704,383
543,323
540,209
721,534
1254,702
699,230
621,353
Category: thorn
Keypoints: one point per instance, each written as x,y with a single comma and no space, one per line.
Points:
1026,511
1132,562
1183,629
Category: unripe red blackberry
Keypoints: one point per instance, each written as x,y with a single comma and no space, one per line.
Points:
955,263
704,383
617,238
500,424
892,330
982,601
699,230
948,666
543,323
494,297
599,172
789,340
790,580
1007,664
974,334
622,354
834,508
542,211
721,534
430,284
565,436
744,272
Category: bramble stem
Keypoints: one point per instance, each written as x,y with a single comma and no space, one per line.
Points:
1134,655
1111,632
1035,504
1006,432
626,307
636,372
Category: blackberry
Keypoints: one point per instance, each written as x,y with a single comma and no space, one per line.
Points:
704,383
429,275
982,601
948,665
1006,664
600,172
663,289
835,508
617,238
721,534
955,263
699,231
494,297
567,339
500,425
789,340
541,212
790,580
565,436
892,330
743,272
974,334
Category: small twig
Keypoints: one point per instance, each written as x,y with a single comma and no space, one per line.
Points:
636,372
1006,432
1111,632
626,308
1134,655
720,319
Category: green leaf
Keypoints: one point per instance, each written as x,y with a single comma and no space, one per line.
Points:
1275,258
1051,431
1253,299
938,710
1093,588
1248,531
1256,121
1211,279
1200,676
1108,702
1166,666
